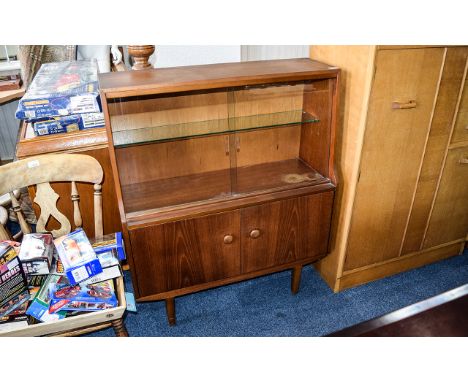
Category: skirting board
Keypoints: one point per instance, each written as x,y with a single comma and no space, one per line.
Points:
377,271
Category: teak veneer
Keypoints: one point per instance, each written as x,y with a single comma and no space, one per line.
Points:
222,172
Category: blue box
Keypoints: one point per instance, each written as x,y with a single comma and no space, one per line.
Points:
93,297
39,307
110,242
62,88
77,256
66,124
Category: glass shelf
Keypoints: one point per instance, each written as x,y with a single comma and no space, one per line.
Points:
124,135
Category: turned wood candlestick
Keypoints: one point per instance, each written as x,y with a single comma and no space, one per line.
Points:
140,54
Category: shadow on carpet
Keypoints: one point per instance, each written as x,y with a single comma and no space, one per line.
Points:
265,306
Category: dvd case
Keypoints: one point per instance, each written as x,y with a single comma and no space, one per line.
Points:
36,253
13,283
77,256
90,297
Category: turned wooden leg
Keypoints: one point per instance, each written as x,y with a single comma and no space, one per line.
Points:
170,311
296,278
119,328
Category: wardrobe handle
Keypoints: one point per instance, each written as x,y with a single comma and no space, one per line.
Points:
228,239
463,160
254,233
404,105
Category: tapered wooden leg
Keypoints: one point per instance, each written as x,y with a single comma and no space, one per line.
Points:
119,328
296,278
170,311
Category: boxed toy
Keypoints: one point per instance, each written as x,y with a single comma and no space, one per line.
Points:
90,297
62,88
39,308
77,256
13,283
36,253
108,242
110,267
66,124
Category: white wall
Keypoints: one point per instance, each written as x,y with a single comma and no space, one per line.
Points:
273,52
181,55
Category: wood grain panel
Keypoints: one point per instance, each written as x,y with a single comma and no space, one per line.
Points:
315,137
449,218
269,145
393,147
289,230
185,253
213,76
172,159
439,135
460,132
357,67
266,106
396,265
209,186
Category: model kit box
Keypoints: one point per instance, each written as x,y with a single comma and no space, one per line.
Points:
69,123
110,267
90,297
62,88
77,256
13,283
108,242
39,308
36,253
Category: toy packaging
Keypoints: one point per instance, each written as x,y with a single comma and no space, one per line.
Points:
108,242
39,308
36,253
77,256
13,284
13,322
90,297
66,124
62,88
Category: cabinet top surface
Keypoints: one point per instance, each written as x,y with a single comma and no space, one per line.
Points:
200,77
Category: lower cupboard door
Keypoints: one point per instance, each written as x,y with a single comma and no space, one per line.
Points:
282,232
184,253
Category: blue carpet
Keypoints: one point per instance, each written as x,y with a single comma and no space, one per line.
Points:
266,307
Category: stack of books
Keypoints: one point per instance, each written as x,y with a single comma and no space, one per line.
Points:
63,97
43,280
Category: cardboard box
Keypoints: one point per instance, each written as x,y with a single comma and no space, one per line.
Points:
62,88
77,256
36,253
69,123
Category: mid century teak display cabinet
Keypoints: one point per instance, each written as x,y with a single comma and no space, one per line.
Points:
223,172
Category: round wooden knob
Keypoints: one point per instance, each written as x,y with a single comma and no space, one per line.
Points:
228,239
254,233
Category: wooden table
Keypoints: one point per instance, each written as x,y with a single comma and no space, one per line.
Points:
445,315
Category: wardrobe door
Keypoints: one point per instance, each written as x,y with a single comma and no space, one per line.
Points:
449,218
402,99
